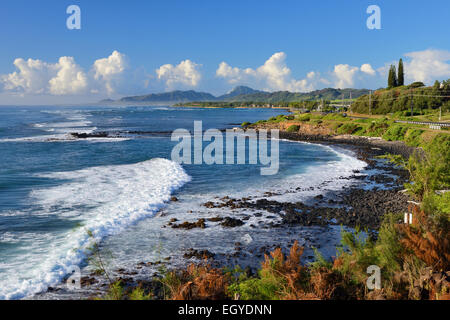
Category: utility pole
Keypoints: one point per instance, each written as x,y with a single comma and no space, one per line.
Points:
370,102
440,113
350,108
342,101
412,103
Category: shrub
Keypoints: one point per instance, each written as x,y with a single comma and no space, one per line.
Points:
347,128
427,241
115,292
439,207
139,294
197,282
377,128
246,123
416,84
395,133
280,277
304,117
336,125
430,171
293,128
413,137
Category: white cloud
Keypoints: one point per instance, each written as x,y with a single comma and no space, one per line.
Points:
64,77
70,79
186,73
39,77
345,75
427,65
32,76
235,74
274,74
367,68
111,75
109,70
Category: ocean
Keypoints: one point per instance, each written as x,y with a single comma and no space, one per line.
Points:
59,195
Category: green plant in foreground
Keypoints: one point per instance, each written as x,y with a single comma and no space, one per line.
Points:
430,170
115,292
139,294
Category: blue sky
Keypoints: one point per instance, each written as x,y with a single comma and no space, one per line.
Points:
310,36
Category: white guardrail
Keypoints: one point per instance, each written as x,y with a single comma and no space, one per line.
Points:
432,125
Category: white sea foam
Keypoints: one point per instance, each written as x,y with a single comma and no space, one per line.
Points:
64,137
316,180
63,124
42,138
77,123
326,176
105,199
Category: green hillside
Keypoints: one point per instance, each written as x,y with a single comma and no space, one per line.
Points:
398,99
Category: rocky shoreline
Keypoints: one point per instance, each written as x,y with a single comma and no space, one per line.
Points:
393,147
317,221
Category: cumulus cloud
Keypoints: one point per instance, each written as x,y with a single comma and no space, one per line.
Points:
112,76
274,74
427,65
39,77
186,73
109,70
70,79
367,68
32,76
64,77
345,75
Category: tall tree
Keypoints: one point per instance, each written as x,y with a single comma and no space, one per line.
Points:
401,74
392,78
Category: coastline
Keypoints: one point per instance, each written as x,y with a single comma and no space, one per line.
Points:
320,228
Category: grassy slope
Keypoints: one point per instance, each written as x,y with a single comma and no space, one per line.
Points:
370,126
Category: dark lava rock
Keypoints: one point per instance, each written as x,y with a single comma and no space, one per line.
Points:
231,222
199,254
174,199
215,219
209,204
190,225
89,135
87,281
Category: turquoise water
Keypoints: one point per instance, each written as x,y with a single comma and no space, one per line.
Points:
53,187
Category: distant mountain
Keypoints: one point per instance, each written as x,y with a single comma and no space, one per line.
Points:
286,96
239,91
174,96
106,101
241,94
